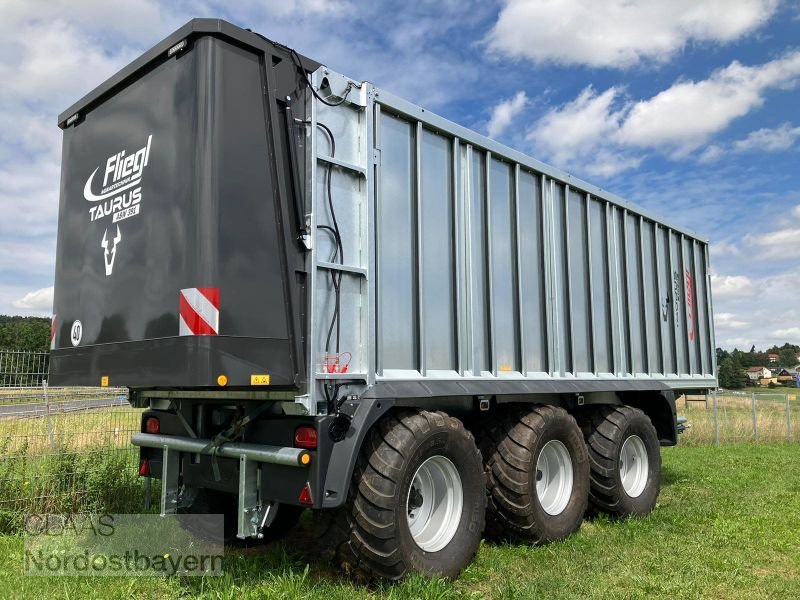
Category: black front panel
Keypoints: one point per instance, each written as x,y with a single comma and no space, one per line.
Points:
167,185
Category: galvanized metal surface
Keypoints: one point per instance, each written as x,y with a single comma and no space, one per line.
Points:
289,457
467,260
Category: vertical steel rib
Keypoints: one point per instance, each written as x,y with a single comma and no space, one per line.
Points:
459,279
590,285
489,241
376,277
521,350
468,266
419,263
568,282
612,292
662,318
645,312
626,284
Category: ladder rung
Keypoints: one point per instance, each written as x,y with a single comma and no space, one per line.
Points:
344,268
343,164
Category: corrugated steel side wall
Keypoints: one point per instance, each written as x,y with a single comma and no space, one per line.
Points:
491,268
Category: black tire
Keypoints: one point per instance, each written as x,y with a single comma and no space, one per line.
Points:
511,446
370,536
606,430
212,502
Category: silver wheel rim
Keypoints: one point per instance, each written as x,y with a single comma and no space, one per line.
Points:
554,477
633,466
434,503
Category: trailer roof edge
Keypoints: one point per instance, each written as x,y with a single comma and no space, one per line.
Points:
195,27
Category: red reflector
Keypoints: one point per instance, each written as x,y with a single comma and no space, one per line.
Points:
305,495
144,468
152,425
305,436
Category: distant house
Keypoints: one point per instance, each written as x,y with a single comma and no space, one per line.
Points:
773,358
754,374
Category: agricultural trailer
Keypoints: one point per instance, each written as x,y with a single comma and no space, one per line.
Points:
329,298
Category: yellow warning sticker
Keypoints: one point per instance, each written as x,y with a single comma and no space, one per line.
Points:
104,381
259,379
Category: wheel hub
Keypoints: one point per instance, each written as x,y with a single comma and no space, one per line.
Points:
554,477
435,503
634,466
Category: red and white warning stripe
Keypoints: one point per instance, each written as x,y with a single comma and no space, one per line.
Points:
199,311
53,334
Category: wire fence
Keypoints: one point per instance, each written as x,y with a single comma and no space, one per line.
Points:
729,417
66,450
23,369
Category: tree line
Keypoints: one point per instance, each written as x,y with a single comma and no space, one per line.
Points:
732,365
24,333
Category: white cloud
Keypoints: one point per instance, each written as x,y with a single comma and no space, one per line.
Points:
674,122
769,140
729,321
504,112
764,316
781,244
37,300
620,33
684,116
787,333
725,248
766,139
577,131
731,285
711,154
293,8
796,211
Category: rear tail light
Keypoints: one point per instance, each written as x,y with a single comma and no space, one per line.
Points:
305,436
152,425
144,468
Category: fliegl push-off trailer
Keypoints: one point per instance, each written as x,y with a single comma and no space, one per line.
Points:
329,298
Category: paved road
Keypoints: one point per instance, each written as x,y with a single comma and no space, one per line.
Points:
39,409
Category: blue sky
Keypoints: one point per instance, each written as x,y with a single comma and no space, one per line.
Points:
687,107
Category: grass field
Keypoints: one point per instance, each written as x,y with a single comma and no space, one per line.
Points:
727,526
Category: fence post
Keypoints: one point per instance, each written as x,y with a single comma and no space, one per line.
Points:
49,420
716,420
755,420
788,419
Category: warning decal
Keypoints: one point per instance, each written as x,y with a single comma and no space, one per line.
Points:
199,311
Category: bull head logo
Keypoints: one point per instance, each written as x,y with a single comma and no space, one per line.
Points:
109,255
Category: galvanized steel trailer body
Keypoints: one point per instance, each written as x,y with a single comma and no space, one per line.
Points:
475,270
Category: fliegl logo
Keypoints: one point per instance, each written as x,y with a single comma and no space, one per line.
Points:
121,193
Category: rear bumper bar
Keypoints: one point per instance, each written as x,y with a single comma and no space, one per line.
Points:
276,455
